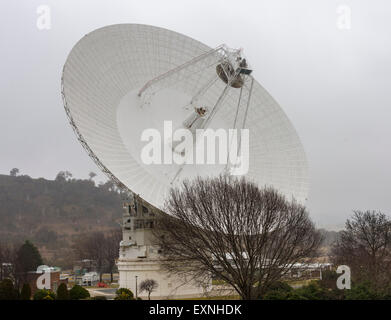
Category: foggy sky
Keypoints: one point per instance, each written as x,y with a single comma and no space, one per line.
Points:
334,84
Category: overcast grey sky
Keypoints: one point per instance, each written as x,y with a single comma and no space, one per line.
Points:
332,82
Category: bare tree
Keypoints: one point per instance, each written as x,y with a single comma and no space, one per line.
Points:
148,285
7,261
101,248
365,246
92,246
113,240
231,229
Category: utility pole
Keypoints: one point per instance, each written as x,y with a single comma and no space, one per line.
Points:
136,287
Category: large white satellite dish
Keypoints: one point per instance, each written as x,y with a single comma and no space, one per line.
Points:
122,79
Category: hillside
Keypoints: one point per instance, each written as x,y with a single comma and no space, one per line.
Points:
52,213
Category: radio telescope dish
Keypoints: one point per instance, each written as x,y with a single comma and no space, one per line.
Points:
121,80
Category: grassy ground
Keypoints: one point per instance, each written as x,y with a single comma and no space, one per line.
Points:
218,282
299,283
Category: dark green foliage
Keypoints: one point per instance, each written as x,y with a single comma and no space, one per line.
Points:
278,291
25,294
7,290
99,298
62,292
312,291
281,286
28,258
326,290
124,294
78,292
14,172
282,291
386,293
362,291
44,294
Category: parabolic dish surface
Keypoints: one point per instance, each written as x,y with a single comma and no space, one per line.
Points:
101,78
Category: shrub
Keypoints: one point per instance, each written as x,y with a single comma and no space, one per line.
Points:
124,294
25,294
7,290
62,292
312,291
278,291
44,294
78,292
99,298
361,291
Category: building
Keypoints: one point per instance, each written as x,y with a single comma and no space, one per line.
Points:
90,279
139,256
45,277
6,270
308,270
83,266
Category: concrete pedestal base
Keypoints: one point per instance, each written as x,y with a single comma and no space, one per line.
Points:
149,268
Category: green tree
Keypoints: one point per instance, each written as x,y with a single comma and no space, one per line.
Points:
28,258
62,292
63,176
92,175
78,292
44,294
26,292
14,172
7,290
124,294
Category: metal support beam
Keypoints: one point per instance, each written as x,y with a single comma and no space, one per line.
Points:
179,68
